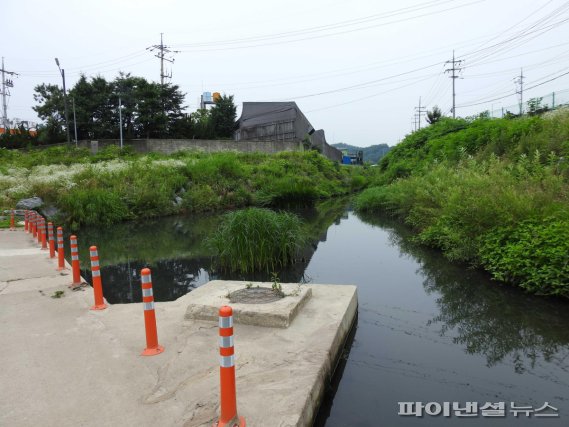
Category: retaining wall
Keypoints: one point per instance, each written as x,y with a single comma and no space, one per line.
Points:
168,146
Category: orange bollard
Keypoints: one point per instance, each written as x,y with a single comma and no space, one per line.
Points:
97,285
34,224
75,262
228,413
39,222
26,221
60,250
152,346
12,225
43,235
51,241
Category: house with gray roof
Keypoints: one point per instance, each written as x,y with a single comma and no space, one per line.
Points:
281,121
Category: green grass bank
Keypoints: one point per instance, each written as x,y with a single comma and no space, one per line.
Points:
493,193
117,185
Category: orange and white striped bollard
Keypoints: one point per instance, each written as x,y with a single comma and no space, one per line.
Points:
43,235
152,346
50,239
75,262
228,409
39,222
60,250
97,284
12,225
34,225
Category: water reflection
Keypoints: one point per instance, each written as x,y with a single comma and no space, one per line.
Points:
175,249
485,317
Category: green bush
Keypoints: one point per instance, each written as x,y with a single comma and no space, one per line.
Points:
200,198
288,190
482,191
93,206
451,208
257,239
532,254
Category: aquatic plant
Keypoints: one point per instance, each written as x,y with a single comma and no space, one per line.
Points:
257,239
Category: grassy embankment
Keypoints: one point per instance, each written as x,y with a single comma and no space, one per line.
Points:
490,192
115,186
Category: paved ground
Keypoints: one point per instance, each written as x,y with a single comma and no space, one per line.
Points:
64,365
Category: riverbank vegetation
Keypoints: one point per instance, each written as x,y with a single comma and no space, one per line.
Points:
117,185
493,193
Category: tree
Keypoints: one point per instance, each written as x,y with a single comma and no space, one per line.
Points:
202,125
51,102
434,115
223,117
535,107
149,110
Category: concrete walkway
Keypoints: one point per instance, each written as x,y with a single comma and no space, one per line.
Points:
65,365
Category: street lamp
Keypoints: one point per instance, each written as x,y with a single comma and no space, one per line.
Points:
64,101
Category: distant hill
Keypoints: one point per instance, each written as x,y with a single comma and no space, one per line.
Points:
372,154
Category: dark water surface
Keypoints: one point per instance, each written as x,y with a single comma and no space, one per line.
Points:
427,330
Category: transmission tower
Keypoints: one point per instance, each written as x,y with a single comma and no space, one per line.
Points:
455,67
419,111
519,81
6,83
163,53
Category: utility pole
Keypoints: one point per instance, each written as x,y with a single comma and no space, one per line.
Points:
161,52
520,81
6,83
120,120
419,111
74,121
455,67
62,72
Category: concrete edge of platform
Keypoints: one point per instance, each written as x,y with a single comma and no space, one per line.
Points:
327,370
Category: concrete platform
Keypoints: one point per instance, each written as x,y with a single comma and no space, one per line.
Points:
206,300
64,365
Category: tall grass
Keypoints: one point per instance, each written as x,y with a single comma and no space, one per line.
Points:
257,239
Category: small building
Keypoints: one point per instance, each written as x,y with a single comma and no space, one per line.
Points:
356,158
281,121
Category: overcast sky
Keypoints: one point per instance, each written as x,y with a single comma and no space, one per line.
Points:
355,68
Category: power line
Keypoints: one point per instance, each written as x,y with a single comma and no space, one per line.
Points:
510,94
533,28
266,40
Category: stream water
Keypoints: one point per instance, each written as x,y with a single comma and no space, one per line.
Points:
427,331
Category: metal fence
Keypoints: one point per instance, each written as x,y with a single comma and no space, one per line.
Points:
549,101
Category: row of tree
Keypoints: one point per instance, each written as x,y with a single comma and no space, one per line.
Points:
148,110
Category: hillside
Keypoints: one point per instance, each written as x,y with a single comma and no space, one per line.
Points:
372,154
493,193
